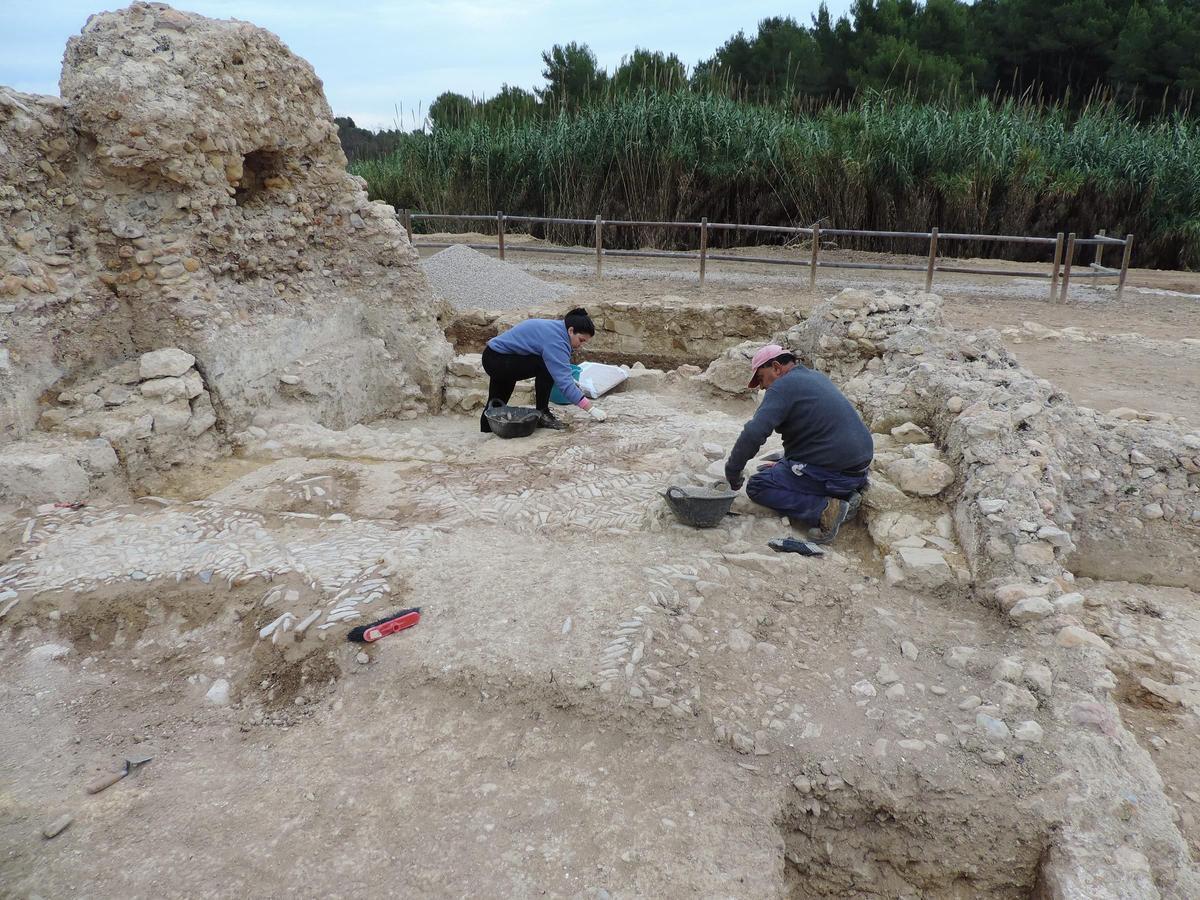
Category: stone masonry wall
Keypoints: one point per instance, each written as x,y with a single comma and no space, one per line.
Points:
189,191
1037,476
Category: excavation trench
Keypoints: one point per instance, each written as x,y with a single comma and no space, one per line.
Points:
937,846
661,334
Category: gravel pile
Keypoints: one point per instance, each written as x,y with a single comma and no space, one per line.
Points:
472,280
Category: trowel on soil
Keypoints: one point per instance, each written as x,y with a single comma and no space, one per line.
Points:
107,781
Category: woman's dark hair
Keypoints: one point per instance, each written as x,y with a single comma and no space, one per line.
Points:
784,358
579,320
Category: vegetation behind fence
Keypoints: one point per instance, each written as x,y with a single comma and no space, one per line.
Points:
1007,168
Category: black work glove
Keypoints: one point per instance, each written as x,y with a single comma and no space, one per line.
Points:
735,479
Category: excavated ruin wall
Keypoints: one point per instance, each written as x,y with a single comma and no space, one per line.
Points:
189,191
1038,477
663,333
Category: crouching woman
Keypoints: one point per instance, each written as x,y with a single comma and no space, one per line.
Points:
539,349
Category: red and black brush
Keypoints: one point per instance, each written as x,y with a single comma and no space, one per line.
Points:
398,621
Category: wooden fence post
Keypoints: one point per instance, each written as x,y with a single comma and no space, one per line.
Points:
1100,248
500,233
1066,277
1125,265
703,246
1058,251
933,238
599,247
406,219
816,248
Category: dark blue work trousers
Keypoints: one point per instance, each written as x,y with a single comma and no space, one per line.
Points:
801,490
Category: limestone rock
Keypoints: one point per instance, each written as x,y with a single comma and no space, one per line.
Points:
1009,595
166,389
1035,553
468,365
39,471
1038,678
863,688
886,675
959,657
884,496
1031,609
739,641
218,693
922,477
1186,694
918,568
1068,603
1029,732
730,371
1039,331
171,418
166,363
887,528
1007,669
1075,636
1010,696
910,433
992,728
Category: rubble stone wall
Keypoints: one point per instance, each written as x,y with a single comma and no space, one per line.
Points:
1042,485
189,191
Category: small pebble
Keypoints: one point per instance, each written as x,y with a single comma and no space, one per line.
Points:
55,828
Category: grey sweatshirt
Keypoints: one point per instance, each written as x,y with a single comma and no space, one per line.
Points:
819,426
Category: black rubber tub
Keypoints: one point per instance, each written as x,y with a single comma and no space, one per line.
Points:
699,507
511,421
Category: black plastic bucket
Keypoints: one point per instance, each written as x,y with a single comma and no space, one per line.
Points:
511,421
699,507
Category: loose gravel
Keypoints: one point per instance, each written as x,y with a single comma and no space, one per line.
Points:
469,279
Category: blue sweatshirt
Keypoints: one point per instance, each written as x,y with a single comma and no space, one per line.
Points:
819,426
548,339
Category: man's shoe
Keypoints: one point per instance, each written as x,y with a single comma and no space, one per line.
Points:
836,514
548,420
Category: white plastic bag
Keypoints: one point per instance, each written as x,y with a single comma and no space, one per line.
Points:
597,379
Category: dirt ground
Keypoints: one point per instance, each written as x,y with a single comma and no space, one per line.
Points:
598,702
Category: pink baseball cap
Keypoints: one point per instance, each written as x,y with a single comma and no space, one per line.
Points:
761,358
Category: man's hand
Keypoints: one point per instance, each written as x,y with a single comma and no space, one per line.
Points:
735,480
597,413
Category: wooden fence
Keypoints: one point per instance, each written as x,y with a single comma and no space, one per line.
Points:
1059,275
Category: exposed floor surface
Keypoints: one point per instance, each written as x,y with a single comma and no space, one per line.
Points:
596,699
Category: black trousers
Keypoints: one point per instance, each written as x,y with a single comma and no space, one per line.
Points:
506,369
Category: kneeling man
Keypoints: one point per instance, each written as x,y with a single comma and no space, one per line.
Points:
826,447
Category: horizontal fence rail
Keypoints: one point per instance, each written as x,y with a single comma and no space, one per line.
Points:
1060,273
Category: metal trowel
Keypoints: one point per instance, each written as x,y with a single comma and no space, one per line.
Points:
107,781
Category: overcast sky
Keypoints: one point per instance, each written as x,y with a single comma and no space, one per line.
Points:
376,58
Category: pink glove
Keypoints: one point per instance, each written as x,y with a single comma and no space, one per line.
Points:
585,404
